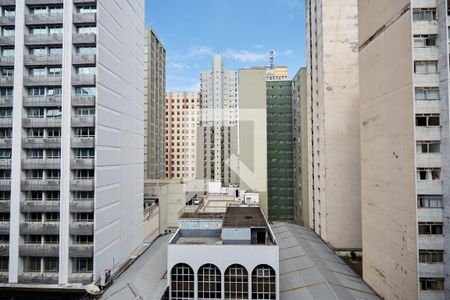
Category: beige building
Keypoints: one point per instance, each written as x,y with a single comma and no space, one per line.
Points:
277,73
333,124
404,83
154,105
253,133
300,117
182,121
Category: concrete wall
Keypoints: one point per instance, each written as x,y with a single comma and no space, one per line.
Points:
388,149
333,99
253,133
119,141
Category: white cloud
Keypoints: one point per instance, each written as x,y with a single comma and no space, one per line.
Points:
244,55
179,66
199,51
288,52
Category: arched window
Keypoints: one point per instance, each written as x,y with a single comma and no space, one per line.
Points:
209,282
236,282
263,283
182,282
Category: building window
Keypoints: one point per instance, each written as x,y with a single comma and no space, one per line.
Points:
428,174
430,228
263,283
209,282
32,264
428,120
4,262
427,93
51,264
182,282
429,201
426,67
431,256
236,282
82,265
428,147
424,14
432,284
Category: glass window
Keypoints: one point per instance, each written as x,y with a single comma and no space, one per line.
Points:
182,282
35,154
56,51
54,132
85,49
4,264
55,71
5,153
431,256
36,112
56,9
84,152
37,71
8,31
85,111
7,71
7,52
80,91
430,228
263,283
432,284
209,282
85,70
5,113
83,195
9,12
38,51
83,9
38,10
84,174
36,91
54,113
53,153
38,30
35,133
56,91
51,264
32,264
85,132
82,265
55,30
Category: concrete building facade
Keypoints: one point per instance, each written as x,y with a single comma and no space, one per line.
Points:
300,147
182,122
333,122
405,140
154,106
71,136
218,159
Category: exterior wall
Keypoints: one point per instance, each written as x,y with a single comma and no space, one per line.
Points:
333,99
280,165
154,106
223,257
219,124
120,137
253,133
182,121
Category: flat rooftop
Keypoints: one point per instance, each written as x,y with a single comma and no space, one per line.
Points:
244,217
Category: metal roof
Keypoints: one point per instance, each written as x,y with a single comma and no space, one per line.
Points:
309,269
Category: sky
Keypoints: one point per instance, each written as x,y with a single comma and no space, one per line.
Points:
242,31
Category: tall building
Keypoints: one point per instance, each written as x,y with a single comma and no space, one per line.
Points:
182,122
300,147
405,138
154,106
333,104
253,133
71,139
218,159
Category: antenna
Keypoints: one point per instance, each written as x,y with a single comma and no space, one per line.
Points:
272,59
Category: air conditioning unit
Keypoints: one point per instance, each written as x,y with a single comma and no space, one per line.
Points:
105,277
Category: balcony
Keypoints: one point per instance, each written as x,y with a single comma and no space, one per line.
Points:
41,122
426,79
428,133
83,101
4,227
81,250
84,18
7,61
34,60
6,101
41,143
43,39
83,206
6,81
431,242
83,278
83,59
425,27
36,278
4,249
82,163
86,228
82,185
6,40
40,80
5,143
40,250
428,107
39,206
87,79
40,185
426,53
8,2
39,228
84,38
5,122
5,206
83,121
5,163
83,142
432,270
41,163
5,184
43,101
7,20
430,215
43,19
428,160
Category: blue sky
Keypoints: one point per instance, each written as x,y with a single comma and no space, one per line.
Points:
243,31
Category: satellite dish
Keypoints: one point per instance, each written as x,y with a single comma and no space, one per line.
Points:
92,289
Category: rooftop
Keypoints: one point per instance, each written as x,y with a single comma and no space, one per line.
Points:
244,217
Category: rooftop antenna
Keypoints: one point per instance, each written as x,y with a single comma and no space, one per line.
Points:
272,59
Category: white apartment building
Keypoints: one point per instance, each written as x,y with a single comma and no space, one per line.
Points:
182,122
218,160
332,105
71,139
154,105
405,145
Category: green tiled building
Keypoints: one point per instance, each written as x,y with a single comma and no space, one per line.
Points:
280,166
